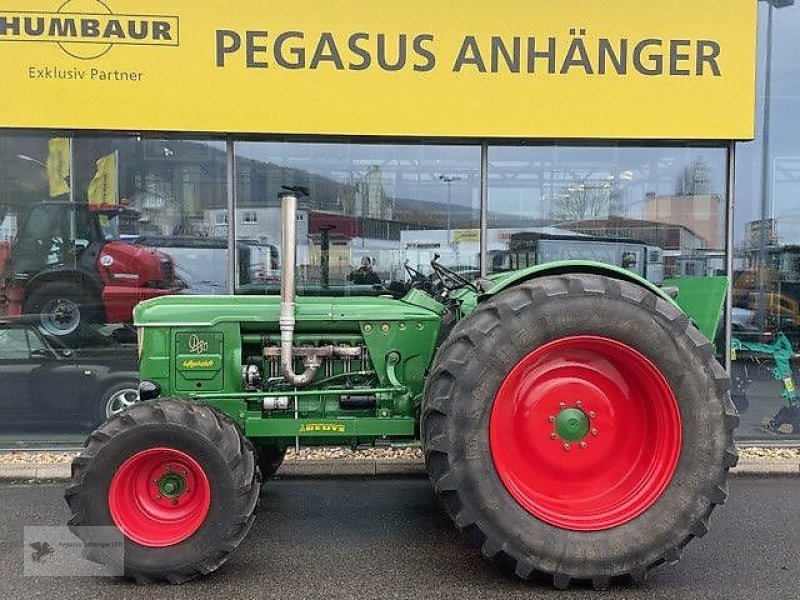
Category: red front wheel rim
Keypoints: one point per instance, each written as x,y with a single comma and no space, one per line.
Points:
159,497
585,433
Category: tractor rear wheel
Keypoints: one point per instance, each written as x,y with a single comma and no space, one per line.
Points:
176,478
578,427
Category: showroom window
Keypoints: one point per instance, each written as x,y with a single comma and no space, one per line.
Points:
370,209
766,253
90,226
657,211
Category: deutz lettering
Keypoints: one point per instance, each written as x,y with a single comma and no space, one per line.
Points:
88,28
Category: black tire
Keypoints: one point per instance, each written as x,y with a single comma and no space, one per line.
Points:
460,391
270,459
203,433
63,308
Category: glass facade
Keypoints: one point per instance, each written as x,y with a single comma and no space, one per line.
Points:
370,208
766,269
659,211
92,224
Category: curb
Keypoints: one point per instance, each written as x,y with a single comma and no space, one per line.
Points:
301,469
770,467
298,469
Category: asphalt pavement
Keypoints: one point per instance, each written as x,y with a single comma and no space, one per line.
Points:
388,538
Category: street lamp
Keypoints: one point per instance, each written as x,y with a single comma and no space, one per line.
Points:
448,179
765,179
31,159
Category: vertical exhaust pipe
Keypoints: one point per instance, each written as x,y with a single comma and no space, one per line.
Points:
287,319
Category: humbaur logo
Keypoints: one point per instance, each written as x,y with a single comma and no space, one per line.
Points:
88,29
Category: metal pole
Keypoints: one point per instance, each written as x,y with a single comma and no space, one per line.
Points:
71,171
761,264
484,219
448,181
230,159
116,177
731,202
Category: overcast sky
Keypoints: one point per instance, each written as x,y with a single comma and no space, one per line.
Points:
784,130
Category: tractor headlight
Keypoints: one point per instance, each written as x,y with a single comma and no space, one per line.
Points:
149,390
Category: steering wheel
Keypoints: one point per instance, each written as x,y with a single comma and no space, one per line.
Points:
450,279
419,280
413,274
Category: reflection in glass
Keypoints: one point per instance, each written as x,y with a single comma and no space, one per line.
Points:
370,208
659,212
766,253
72,272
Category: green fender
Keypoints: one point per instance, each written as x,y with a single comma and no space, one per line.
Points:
701,298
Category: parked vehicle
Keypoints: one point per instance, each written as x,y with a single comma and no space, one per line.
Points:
46,382
201,263
574,420
63,267
526,249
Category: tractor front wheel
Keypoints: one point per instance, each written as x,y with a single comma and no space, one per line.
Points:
177,479
580,427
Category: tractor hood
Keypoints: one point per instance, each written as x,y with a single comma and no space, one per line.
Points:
207,311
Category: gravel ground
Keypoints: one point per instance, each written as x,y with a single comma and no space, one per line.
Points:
347,454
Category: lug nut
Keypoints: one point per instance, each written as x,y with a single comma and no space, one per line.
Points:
584,445
592,414
579,404
594,431
551,418
553,436
562,406
566,447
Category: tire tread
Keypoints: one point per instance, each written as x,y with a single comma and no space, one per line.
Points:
451,362
215,427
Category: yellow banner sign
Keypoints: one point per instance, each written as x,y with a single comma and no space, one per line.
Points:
58,166
103,187
621,69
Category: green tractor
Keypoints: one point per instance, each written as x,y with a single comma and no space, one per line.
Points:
574,420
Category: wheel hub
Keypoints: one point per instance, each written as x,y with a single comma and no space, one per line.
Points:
60,316
572,424
63,314
172,485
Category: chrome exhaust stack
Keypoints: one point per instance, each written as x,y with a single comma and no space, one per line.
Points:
287,319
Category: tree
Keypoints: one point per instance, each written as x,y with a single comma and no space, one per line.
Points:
583,200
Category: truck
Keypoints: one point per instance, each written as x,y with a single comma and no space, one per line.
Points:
526,249
574,420
200,262
68,268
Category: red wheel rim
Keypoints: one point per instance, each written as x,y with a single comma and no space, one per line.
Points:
589,471
159,497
